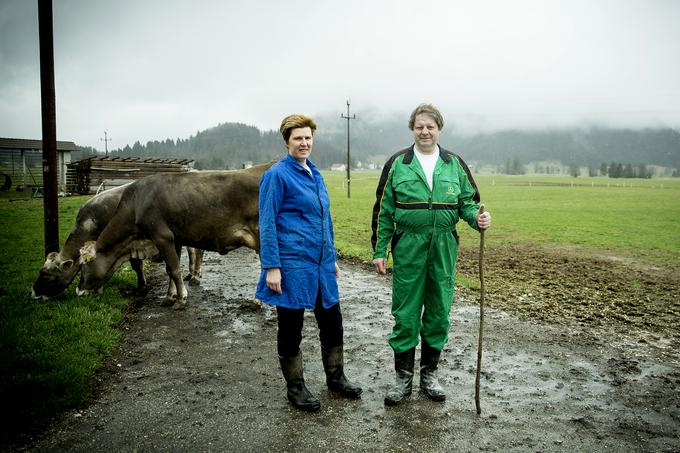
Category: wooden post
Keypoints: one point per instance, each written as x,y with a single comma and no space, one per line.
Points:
49,127
481,317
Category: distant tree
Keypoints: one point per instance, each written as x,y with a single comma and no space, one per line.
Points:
603,169
643,172
83,152
137,149
574,170
592,171
514,167
628,171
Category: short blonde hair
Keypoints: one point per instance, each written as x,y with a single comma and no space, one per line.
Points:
429,110
293,122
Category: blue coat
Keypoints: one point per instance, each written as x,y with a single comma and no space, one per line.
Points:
296,235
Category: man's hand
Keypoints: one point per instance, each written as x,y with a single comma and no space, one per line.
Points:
380,265
484,220
274,279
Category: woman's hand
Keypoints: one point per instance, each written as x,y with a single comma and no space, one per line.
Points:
484,220
274,279
380,265
337,271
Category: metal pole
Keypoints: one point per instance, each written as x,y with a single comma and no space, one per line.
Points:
106,141
49,127
348,117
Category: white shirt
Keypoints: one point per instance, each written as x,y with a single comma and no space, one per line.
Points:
428,162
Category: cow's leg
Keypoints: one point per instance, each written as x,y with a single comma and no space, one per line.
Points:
171,294
166,245
195,262
137,266
198,264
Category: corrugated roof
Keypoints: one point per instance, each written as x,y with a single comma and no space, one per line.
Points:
24,143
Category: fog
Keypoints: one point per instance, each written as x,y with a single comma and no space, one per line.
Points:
150,70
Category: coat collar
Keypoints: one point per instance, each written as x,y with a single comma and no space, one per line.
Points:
290,160
443,154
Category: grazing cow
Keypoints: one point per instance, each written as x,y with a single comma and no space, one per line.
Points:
61,267
215,211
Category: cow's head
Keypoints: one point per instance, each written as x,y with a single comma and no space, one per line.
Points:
55,276
97,267
94,271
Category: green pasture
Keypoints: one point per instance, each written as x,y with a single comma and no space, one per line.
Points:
632,217
50,350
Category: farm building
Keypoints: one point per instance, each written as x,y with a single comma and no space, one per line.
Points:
21,163
94,174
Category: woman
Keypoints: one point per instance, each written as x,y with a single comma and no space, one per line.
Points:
299,270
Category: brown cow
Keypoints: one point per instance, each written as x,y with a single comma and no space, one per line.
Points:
61,267
215,211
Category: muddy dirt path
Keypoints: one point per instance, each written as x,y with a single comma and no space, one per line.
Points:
207,379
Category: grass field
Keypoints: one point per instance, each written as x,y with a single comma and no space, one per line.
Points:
50,350
634,217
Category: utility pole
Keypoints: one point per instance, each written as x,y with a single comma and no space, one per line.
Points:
106,141
348,117
49,127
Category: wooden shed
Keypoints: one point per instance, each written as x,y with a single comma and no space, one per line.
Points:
94,174
21,163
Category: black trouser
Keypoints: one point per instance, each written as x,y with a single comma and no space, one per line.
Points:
290,322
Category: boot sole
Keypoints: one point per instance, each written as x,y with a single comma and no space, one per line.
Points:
437,398
392,403
346,394
307,408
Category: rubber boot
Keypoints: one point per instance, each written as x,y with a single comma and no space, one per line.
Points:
298,395
333,364
403,365
429,384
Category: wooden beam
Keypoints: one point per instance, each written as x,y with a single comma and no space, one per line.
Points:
49,127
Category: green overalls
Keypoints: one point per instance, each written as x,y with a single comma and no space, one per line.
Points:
421,225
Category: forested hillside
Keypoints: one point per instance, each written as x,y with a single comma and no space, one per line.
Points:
229,145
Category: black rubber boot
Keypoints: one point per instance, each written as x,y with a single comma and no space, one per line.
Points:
403,365
429,384
333,364
298,395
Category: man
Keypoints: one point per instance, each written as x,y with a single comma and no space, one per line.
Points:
423,191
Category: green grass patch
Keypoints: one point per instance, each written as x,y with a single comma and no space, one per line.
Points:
49,350
631,217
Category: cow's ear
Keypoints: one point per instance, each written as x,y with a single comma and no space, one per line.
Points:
66,265
51,258
88,252
51,261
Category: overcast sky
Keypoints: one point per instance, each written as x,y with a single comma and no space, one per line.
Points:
148,70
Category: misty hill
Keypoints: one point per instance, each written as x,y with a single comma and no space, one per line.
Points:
229,145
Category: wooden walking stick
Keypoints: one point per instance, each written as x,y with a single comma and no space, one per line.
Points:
481,313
